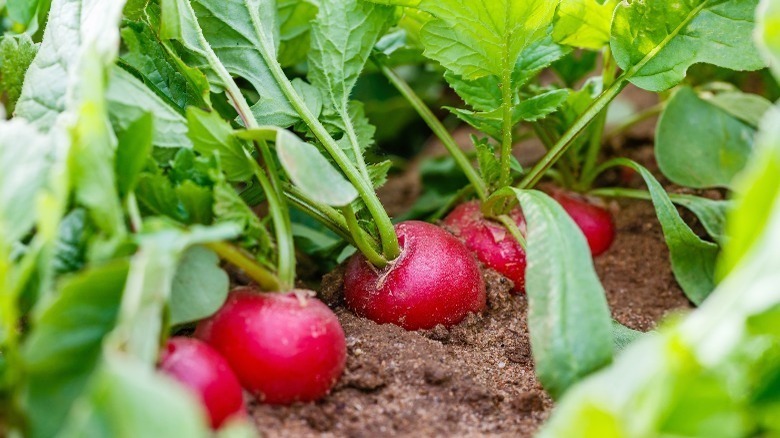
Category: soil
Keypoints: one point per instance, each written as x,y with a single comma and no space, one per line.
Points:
475,379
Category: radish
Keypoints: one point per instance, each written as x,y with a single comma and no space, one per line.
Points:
595,222
207,374
284,348
490,241
434,281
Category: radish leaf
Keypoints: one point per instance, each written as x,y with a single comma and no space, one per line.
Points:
128,99
585,24
311,172
65,344
568,316
693,260
200,286
76,28
656,58
16,54
698,144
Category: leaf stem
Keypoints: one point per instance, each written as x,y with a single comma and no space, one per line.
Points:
328,216
567,139
240,259
596,136
362,245
507,125
280,216
511,226
436,126
390,246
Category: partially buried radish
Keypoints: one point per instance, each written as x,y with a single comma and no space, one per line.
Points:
490,240
207,374
595,222
434,281
284,348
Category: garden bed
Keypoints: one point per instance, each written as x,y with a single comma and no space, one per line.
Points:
478,377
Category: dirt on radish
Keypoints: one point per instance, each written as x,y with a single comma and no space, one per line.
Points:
476,378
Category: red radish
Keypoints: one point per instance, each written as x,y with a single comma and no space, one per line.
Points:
594,221
434,281
490,240
203,370
284,348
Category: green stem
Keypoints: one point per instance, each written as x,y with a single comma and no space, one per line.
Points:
240,259
327,216
282,227
619,192
390,246
594,147
563,144
596,136
353,140
279,214
363,246
511,226
436,126
507,125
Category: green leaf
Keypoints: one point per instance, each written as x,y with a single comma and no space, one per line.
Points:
584,24
482,37
531,109
749,108
133,150
698,144
539,106
312,173
119,404
211,134
623,336
160,70
483,94
768,34
693,260
489,166
22,11
129,99
342,38
568,317
72,33
232,37
378,173
230,208
759,189
92,155
656,58
489,123
343,35
64,345
295,18
150,281
71,245
535,58
200,286
187,203
16,55
711,213
25,160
